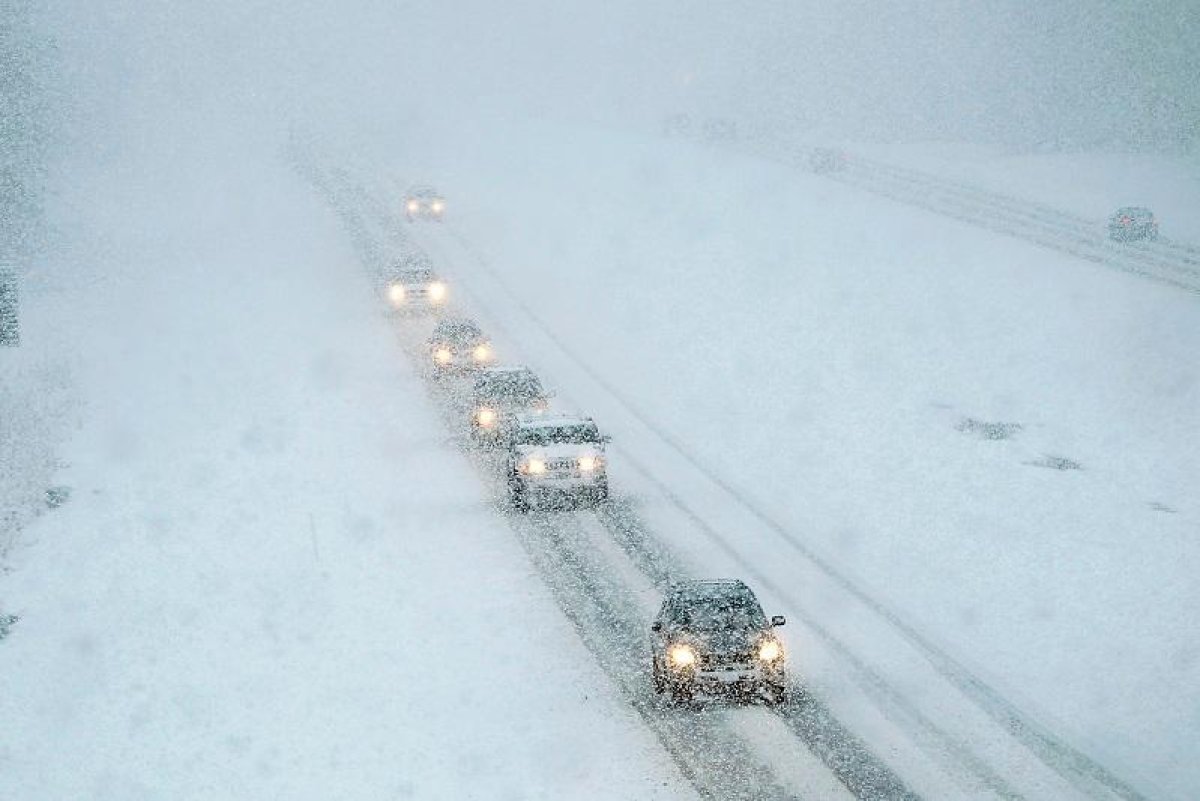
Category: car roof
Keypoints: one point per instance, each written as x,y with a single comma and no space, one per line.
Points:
700,589
1134,210
456,325
552,420
518,373
506,368
421,189
415,273
412,261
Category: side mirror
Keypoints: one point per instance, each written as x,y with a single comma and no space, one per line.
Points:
656,625
777,620
605,438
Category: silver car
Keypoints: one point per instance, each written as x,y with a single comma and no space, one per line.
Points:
556,457
410,284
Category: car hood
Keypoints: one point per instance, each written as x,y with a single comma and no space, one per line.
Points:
565,450
457,344
725,641
509,403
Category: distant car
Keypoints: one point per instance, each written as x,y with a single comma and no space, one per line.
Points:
498,395
424,203
824,160
1132,222
458,345
556,457
412,285
712,636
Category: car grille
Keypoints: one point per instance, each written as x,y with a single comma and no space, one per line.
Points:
736,660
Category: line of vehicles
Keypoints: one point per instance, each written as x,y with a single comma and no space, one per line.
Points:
710,637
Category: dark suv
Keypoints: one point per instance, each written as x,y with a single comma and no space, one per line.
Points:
712,636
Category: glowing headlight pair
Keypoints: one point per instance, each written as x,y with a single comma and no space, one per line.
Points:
682,656
486,417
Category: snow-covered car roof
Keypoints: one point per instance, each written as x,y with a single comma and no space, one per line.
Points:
552,420
515,380
413,275
422,190
456,329
414,260
1133,211
699,589
555,429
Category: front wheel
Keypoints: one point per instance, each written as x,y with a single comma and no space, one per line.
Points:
681,692
660,684
517,496
777,694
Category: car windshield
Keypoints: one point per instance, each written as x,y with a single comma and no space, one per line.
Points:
419,275
457,332
516,387
579,433
724,612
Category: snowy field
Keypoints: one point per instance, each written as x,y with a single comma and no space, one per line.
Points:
259,589
998,442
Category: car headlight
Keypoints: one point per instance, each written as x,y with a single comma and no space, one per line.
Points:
437,205
770,650
485,417
681,656
589,463
414,205
396,293
442,355
535,466
482,353
437,291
